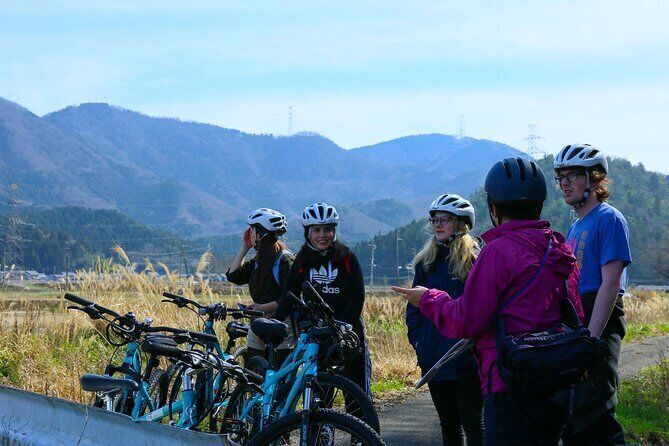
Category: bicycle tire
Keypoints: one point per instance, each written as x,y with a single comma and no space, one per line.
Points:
239,354
257,364
159,382
357,402
279,432
240,430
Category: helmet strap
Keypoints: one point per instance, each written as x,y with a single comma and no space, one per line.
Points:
586,192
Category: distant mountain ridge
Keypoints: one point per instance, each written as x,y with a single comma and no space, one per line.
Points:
203,179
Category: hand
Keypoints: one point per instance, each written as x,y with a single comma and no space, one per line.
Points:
412,295
258,307
247,240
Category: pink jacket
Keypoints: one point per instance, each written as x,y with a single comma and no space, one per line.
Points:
512,254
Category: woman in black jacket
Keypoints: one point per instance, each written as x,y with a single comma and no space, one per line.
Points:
335,272
444,263
265,273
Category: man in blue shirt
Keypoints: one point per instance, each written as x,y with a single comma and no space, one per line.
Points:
600,241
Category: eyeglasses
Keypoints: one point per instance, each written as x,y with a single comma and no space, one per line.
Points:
571,177
443,221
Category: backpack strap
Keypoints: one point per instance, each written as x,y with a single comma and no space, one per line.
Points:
510,300
277,265
499,319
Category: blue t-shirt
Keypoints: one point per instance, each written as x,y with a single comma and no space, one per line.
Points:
598,238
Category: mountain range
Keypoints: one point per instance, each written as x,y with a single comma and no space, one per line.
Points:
200,179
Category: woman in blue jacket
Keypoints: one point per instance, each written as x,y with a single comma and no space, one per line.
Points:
444,263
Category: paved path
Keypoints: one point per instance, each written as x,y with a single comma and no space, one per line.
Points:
415,422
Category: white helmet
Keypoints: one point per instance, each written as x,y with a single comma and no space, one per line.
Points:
580,155
456,205
269,219
319,214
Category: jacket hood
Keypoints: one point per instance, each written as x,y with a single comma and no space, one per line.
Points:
535,236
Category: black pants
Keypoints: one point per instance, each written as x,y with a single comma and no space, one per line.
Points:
532,421
460,409
593,421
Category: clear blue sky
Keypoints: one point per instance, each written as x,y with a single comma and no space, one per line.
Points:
358,72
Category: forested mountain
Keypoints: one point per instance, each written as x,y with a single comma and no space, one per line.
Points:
201,179
50,236
641,195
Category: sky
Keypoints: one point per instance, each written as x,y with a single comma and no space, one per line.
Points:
358,72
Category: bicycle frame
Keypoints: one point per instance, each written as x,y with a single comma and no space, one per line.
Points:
305,356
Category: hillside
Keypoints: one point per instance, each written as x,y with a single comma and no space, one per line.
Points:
641,195
200,179
48,234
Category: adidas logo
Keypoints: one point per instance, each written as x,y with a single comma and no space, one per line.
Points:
322,275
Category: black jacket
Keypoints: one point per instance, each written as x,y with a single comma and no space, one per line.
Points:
429,344
340,284
271,290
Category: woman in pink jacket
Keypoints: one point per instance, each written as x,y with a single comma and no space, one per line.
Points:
515,248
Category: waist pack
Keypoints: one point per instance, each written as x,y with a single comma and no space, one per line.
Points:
545,362
548,361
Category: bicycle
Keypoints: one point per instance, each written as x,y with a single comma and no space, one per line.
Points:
132,395
299,375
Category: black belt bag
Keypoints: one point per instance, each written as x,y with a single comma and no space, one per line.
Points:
545,362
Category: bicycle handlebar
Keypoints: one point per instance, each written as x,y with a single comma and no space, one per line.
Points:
87,303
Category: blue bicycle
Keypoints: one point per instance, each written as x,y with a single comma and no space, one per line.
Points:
305,379
134,395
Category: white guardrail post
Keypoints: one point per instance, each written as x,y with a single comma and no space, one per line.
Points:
31,419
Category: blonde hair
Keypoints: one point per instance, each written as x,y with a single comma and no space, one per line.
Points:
463,251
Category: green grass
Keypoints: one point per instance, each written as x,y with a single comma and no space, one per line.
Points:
387,385
643,407
642,331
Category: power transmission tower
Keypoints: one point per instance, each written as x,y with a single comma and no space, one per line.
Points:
12,240
532,149
290,120
372,246
461,129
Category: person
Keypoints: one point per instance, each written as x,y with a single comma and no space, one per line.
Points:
444,263
600,240
265,273
334,271
528,264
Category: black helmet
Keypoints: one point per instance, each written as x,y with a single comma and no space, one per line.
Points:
515,179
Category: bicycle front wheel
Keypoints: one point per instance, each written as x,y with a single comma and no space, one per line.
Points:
326,428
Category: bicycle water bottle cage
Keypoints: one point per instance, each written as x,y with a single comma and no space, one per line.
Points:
270,331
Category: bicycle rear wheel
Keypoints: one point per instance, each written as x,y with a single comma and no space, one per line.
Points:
326,428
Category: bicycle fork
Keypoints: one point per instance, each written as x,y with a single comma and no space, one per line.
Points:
308,407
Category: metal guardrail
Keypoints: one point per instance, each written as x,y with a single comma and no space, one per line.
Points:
31,419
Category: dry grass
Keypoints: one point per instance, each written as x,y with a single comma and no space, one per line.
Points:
647,307
46,349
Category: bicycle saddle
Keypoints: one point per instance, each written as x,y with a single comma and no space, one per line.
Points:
236,330
101,383
270,331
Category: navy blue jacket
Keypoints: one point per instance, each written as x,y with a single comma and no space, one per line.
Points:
430,346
